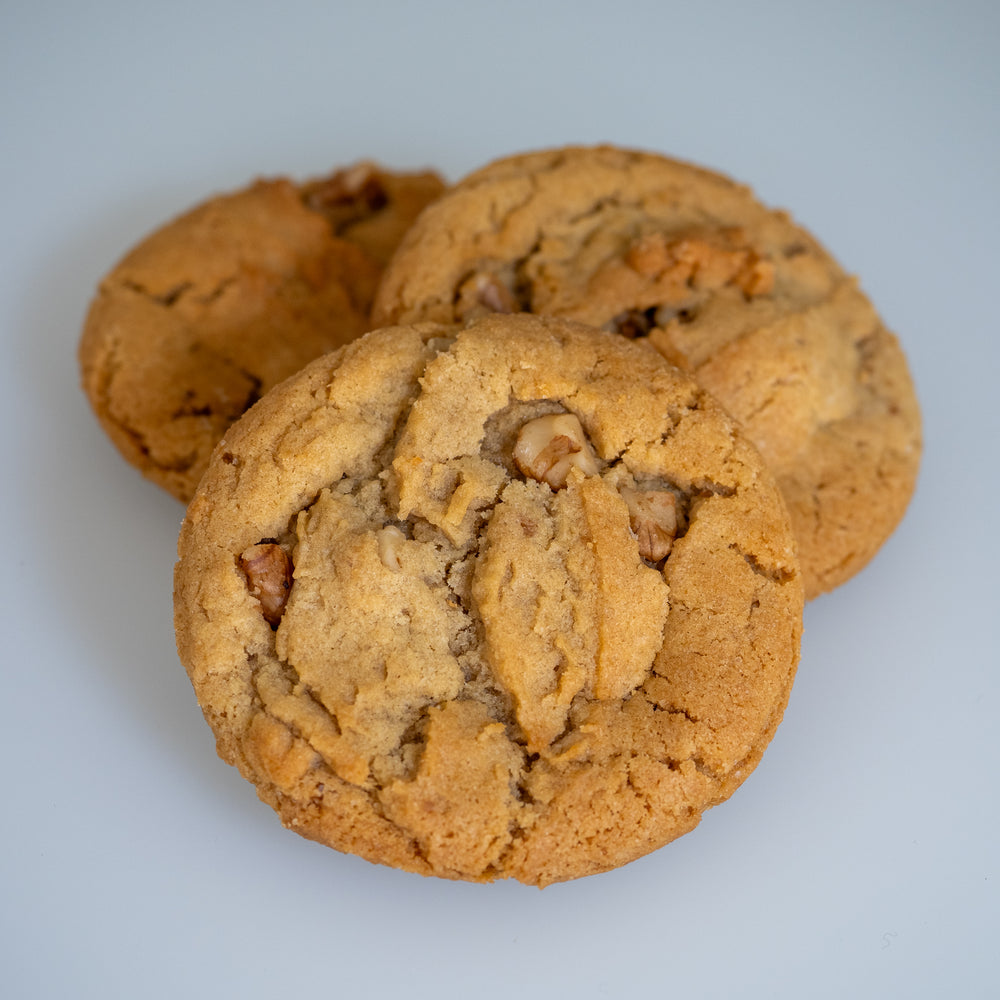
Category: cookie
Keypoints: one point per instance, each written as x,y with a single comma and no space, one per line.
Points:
515,601
206,314
733,292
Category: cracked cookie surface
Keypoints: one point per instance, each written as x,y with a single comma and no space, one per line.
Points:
207,313
733,292
515,600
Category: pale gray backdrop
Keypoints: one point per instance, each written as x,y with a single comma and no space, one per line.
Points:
859,860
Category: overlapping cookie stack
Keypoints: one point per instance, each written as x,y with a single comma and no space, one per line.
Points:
512,585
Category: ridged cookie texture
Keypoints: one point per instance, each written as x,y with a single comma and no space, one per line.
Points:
207,313
733,292
514,600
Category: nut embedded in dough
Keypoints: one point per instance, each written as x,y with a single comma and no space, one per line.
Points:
548,447
390,538
269,578
484,293
653,519
348,194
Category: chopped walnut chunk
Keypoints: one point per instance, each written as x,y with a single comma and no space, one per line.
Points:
653,517
348,195
548,447
493,294
485,293
268,570
390,540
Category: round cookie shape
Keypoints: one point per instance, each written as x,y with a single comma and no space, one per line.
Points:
516,601
733,292
207,313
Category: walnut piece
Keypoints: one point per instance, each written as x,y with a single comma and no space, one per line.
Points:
390,540
348,195
268,570
548,447
484,293
654,521
495,295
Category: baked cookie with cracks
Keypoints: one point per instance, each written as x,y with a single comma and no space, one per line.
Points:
517,600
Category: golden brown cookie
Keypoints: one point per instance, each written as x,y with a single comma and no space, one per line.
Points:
206,314
731,291
516,601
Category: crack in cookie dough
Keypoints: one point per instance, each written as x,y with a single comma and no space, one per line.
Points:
477,673
690,263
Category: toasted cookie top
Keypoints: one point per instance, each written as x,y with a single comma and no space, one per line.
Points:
733,292
207,313
515,600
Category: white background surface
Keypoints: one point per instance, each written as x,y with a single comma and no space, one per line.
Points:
861,857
